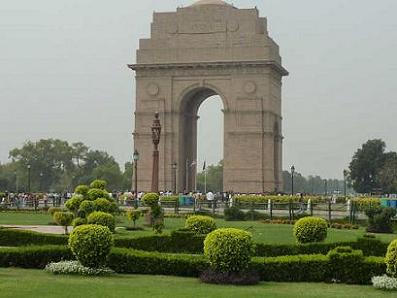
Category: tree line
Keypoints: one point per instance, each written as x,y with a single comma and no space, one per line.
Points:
57,166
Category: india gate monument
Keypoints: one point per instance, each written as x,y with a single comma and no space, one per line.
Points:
210,48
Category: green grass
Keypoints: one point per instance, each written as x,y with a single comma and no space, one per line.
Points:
264,233
15,283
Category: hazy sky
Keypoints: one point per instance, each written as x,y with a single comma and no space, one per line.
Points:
63,75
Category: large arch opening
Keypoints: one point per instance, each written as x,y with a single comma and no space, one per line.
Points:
201,120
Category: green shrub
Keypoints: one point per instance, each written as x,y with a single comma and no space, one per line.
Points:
33,257
79,222
150,199
133,215
200,225
380,219
105,205
99,184
130,261
344,262
96,193
255,215
64,219
299,268
310,229
91,244
228,250
391,259
86,208
12,237
73,204
82,190
52,210
103,219
233,214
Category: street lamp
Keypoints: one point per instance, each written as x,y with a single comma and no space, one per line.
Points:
156,133
345,173
29,170
326,187
136,159
292,179
174,168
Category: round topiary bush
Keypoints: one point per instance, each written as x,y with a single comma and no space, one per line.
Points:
150,199
64,219
96,193
310,229
103,219
79,222
91,244
391,259
86,208
229,250
82,190
73,204
105,205
100,184
200,224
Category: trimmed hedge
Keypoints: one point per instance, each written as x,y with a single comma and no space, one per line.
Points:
124,260
11,237
33,257
300,268
370,247
182,241
315,268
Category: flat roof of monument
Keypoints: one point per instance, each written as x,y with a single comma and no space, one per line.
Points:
211,2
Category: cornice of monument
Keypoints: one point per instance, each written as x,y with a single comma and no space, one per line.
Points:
210,65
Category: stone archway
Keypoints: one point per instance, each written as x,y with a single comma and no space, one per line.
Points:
211,48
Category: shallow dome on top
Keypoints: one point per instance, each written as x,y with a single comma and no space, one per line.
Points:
210,2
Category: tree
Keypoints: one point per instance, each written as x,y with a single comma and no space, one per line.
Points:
387,175
214,178
366,164
127,176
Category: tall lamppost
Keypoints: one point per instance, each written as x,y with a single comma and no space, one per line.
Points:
174,168
326,187
156,132
345,173
136,159
292,179
29,170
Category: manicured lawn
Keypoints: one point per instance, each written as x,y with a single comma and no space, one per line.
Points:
265,233
15,283
25,218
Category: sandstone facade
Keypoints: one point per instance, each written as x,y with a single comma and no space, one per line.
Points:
211,48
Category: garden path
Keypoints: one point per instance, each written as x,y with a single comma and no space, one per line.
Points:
41,229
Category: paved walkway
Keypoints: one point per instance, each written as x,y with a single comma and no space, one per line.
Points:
40,229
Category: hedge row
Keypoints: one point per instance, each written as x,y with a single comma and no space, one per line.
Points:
275,199
370,247
33,257
186,242
300,268
317,268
